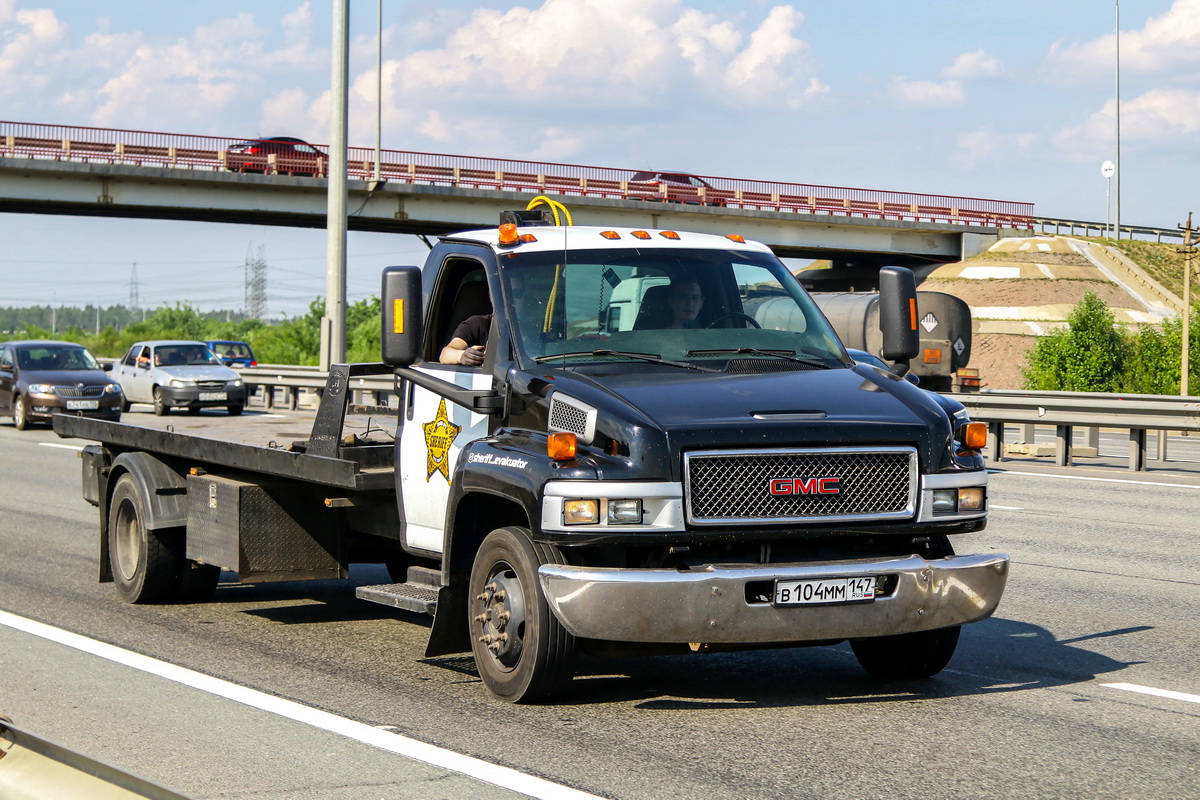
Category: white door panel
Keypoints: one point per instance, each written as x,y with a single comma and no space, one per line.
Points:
429,446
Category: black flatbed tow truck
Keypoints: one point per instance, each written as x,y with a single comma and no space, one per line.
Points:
625,472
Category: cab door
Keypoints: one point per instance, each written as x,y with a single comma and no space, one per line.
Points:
134,374
434,433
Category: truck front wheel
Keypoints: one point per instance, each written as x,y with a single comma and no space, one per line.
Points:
910,655
522,651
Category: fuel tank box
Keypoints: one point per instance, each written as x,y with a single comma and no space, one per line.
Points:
264,529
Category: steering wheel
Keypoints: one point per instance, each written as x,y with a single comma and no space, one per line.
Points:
734,315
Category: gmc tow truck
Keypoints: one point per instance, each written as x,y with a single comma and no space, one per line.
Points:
597,484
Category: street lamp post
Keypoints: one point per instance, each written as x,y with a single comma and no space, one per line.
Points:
1187,304
1118,115
333,324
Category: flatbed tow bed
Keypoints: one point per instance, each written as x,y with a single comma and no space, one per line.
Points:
325,458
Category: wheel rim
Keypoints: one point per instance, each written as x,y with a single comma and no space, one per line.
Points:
158,401
127,538
501,625
19,412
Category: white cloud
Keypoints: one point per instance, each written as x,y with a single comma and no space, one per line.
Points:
975,65
30,47
928,94
1168,44
986,144
1161,118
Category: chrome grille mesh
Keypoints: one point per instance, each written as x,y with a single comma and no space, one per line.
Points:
735,486
211,386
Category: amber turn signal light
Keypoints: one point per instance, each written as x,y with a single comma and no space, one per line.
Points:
974,435
561,446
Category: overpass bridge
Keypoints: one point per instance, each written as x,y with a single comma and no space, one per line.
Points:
56,169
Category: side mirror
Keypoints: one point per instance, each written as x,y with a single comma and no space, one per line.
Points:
898,317
107,366
402,331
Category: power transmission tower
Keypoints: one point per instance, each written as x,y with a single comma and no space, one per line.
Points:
134,301
255,306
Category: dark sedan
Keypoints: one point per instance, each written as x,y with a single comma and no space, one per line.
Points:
39,379
283,155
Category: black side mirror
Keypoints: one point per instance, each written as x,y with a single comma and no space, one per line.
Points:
898,317
402,330
107,366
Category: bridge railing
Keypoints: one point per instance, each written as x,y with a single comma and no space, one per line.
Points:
186,151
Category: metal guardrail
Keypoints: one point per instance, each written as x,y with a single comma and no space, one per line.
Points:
1076,227
33,768
286,385
1068,410
210,153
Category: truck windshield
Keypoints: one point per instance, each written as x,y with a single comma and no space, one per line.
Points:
697,305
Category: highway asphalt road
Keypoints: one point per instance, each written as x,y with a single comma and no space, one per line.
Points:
1086,683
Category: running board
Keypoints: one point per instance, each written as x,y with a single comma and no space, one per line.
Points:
419,594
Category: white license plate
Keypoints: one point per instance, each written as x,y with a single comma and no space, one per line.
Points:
79,405
824,590
212,396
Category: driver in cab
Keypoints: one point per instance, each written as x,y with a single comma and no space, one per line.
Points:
684,300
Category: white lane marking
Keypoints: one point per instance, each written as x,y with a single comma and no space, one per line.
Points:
63,446
1007,508
1087,478
504,777
1167,693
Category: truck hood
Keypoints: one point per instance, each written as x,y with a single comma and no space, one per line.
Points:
824,407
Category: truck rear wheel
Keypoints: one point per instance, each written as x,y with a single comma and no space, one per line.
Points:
522,651
910,655
149,566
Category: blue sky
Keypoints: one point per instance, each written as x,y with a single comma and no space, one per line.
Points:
1010,101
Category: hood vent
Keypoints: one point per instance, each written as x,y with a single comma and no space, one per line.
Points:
568,415
742,366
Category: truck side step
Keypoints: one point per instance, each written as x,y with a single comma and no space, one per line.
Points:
419,594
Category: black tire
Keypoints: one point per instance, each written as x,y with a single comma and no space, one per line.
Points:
125,406
235,410
910,656
161,407
145,563
527,655
20,416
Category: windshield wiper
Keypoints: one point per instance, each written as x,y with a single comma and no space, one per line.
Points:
786,355
653,358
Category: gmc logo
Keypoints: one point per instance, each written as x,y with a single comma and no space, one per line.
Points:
806,486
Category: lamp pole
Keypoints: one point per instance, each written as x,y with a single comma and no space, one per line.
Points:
1117,193
378,86
333,324
1187,304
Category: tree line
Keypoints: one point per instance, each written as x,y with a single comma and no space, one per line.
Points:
1095,354
292,341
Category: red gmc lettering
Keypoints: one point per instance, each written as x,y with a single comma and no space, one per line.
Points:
805,486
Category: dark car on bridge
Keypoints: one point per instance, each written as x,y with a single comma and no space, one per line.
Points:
671,187
282,155
232,354
39,379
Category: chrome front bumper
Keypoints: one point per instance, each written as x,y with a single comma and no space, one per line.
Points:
709,605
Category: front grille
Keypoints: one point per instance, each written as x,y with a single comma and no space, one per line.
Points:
211,386
76,391
725,487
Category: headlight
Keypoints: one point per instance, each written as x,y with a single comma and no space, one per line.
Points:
624,512
41,388
179,383
235,384
113,388
581,512
967,498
